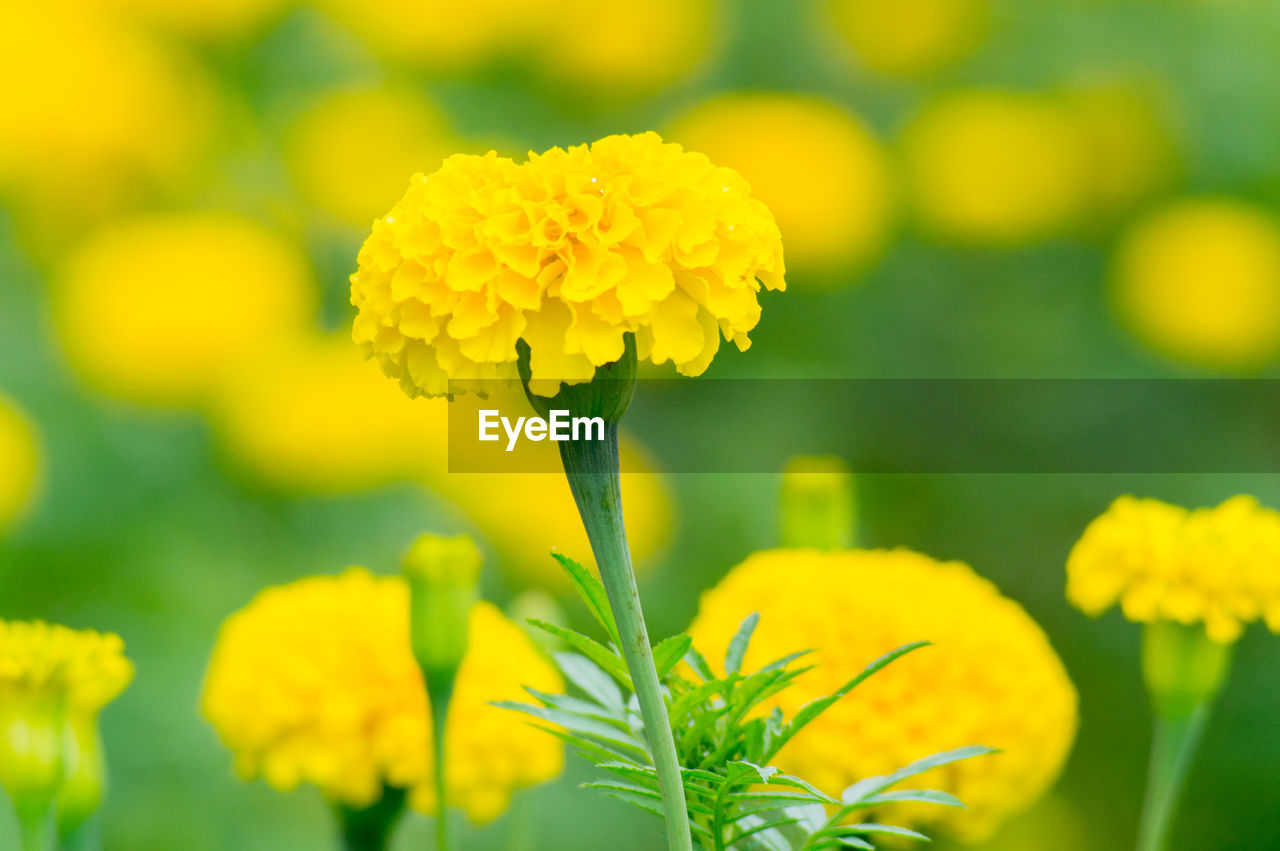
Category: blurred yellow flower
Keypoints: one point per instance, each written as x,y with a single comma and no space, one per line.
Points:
223,20
53,683
820,171
441,34
1132,149
314,682
92,111
315,416
19,462
527,515
569,252
908,36
158,309
992,678
350,151
627,46
1219,567
996,168
1199,281
86,669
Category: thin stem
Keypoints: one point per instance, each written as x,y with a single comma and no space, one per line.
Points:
593,473
1172,750
441,694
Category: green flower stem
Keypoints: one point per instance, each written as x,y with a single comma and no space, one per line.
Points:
370,828
1172,750
1184,671
593,472
37,830
441,690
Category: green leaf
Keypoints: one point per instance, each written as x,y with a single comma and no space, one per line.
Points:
589,728
592,593
583,708
628,790
698,663
669,652
874,785
919,796
592,649
764,772
592,679
814,708
685,703
847,830
594,751
786,660
738,644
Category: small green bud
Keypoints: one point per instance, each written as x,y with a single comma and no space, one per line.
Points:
1182,667
444,575
31,762
817,504
84,786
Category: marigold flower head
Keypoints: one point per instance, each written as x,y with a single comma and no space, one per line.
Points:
86,669
909,36
1219,567
1199,281
313,416
314,682
569,251
158,309
349,170
997,167
992,679
817,167
19,462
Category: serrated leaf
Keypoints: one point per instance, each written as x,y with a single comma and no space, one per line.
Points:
874,785
592,593
642,793
669,652
738,644
848,830
589,647
698,663
684,704
591,750
918,796
786,660
592,679
814,708
584,708
762,771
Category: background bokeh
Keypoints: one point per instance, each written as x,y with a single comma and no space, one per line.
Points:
966,188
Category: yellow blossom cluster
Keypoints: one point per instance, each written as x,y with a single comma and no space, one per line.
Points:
991,679
1219,567
19,462
87,669
314,682
1199,281
569,251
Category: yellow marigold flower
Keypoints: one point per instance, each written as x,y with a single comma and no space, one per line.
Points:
87,669
629,45
992,678
1219,567
817,167
314,682
997,168
909,36
158,309
1199,281
569,251
315,416
353,172
19,462
107,111
441,34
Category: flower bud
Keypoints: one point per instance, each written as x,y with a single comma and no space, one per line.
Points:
443,575
84,785
31,764
1182,667
817,505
